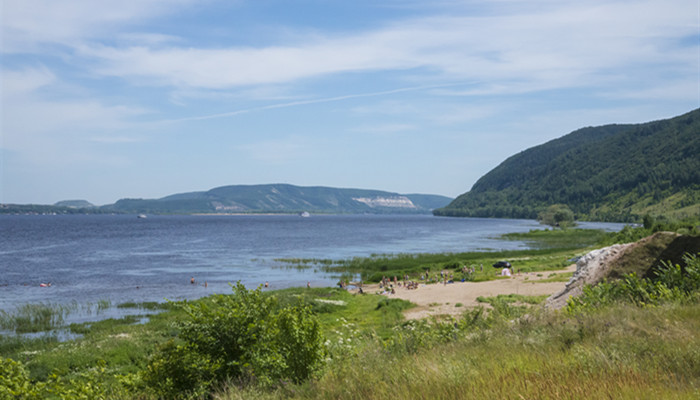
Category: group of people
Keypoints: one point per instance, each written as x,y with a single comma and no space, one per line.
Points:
389,286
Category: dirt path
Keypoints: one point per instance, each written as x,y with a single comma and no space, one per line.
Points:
439,299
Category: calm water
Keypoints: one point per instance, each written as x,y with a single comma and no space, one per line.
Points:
120,258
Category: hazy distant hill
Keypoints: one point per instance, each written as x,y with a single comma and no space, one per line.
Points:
612,172
283,198
74,204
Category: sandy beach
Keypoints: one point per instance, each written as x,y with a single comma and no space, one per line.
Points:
440,299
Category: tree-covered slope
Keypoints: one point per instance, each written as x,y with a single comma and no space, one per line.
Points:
612,172
284,198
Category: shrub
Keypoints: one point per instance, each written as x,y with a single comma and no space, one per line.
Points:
14,380
86,385
244,337
669,283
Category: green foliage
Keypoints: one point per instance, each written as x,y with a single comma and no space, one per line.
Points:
550,250
35,209
670,283
629,233
300,342
623,352
86,385
387,305
33,318
559,215
606,173
14,380
243,337
512,298
181,369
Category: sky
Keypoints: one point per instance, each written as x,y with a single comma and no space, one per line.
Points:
102,100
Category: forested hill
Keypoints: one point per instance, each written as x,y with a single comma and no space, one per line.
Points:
609,173
283,198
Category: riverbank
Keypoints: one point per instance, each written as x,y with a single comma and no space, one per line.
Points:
453,298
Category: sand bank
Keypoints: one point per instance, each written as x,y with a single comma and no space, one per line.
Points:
440,299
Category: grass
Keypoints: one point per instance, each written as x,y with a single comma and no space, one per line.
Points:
30,318
373,269
367,312
556,277
622,352
549,251
513,298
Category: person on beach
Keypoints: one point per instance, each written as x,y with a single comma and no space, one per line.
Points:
308,284
192,280
267,284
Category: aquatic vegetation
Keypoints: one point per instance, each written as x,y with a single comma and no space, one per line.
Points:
40,317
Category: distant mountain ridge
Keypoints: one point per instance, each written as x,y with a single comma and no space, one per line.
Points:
283,198
74,204
609,173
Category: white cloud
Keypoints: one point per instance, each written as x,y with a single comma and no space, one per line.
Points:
27,24
530,45
33,125
19,83
569,45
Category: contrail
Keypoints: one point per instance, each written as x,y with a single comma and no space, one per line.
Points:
315,101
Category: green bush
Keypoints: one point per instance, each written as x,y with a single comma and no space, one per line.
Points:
87,385
557,215
670,283
14,380
244,338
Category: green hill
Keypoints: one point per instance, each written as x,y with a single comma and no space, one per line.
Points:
606,173
283,198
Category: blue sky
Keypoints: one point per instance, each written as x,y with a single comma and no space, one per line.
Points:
144,98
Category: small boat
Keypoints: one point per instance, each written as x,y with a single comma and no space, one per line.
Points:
141,216
304,214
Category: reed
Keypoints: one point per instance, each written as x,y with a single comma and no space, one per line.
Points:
30,318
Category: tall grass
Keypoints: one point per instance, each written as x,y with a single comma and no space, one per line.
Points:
635,339
372,269
44,317
623,352
29,318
